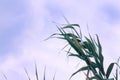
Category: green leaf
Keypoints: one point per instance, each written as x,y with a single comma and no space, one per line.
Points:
76,55
116,74
100,51
110,68
77,48
90,46
52,36
93,42
100,67
71,26
71,35
92,78
79,70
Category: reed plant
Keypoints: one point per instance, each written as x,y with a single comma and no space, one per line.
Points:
88,50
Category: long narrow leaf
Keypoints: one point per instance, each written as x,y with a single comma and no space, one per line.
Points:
5,76
44,77
77,55
79,70
110,68
100,51
27,74
36,72
70,26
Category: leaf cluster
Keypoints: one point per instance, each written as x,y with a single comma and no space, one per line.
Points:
89,50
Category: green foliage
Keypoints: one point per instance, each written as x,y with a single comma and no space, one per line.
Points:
89,50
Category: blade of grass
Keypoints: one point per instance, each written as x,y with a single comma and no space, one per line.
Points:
44,74
27,73
110,67
79,70
66,19
54,77
5,76
36,72
100,51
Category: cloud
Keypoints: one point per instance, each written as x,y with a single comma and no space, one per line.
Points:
36,21
110,13
12,24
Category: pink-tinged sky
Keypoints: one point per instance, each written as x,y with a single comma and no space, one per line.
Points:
24,24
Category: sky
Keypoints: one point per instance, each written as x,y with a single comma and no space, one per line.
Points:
24,24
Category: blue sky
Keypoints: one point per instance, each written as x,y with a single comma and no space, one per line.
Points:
25,24
12,22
